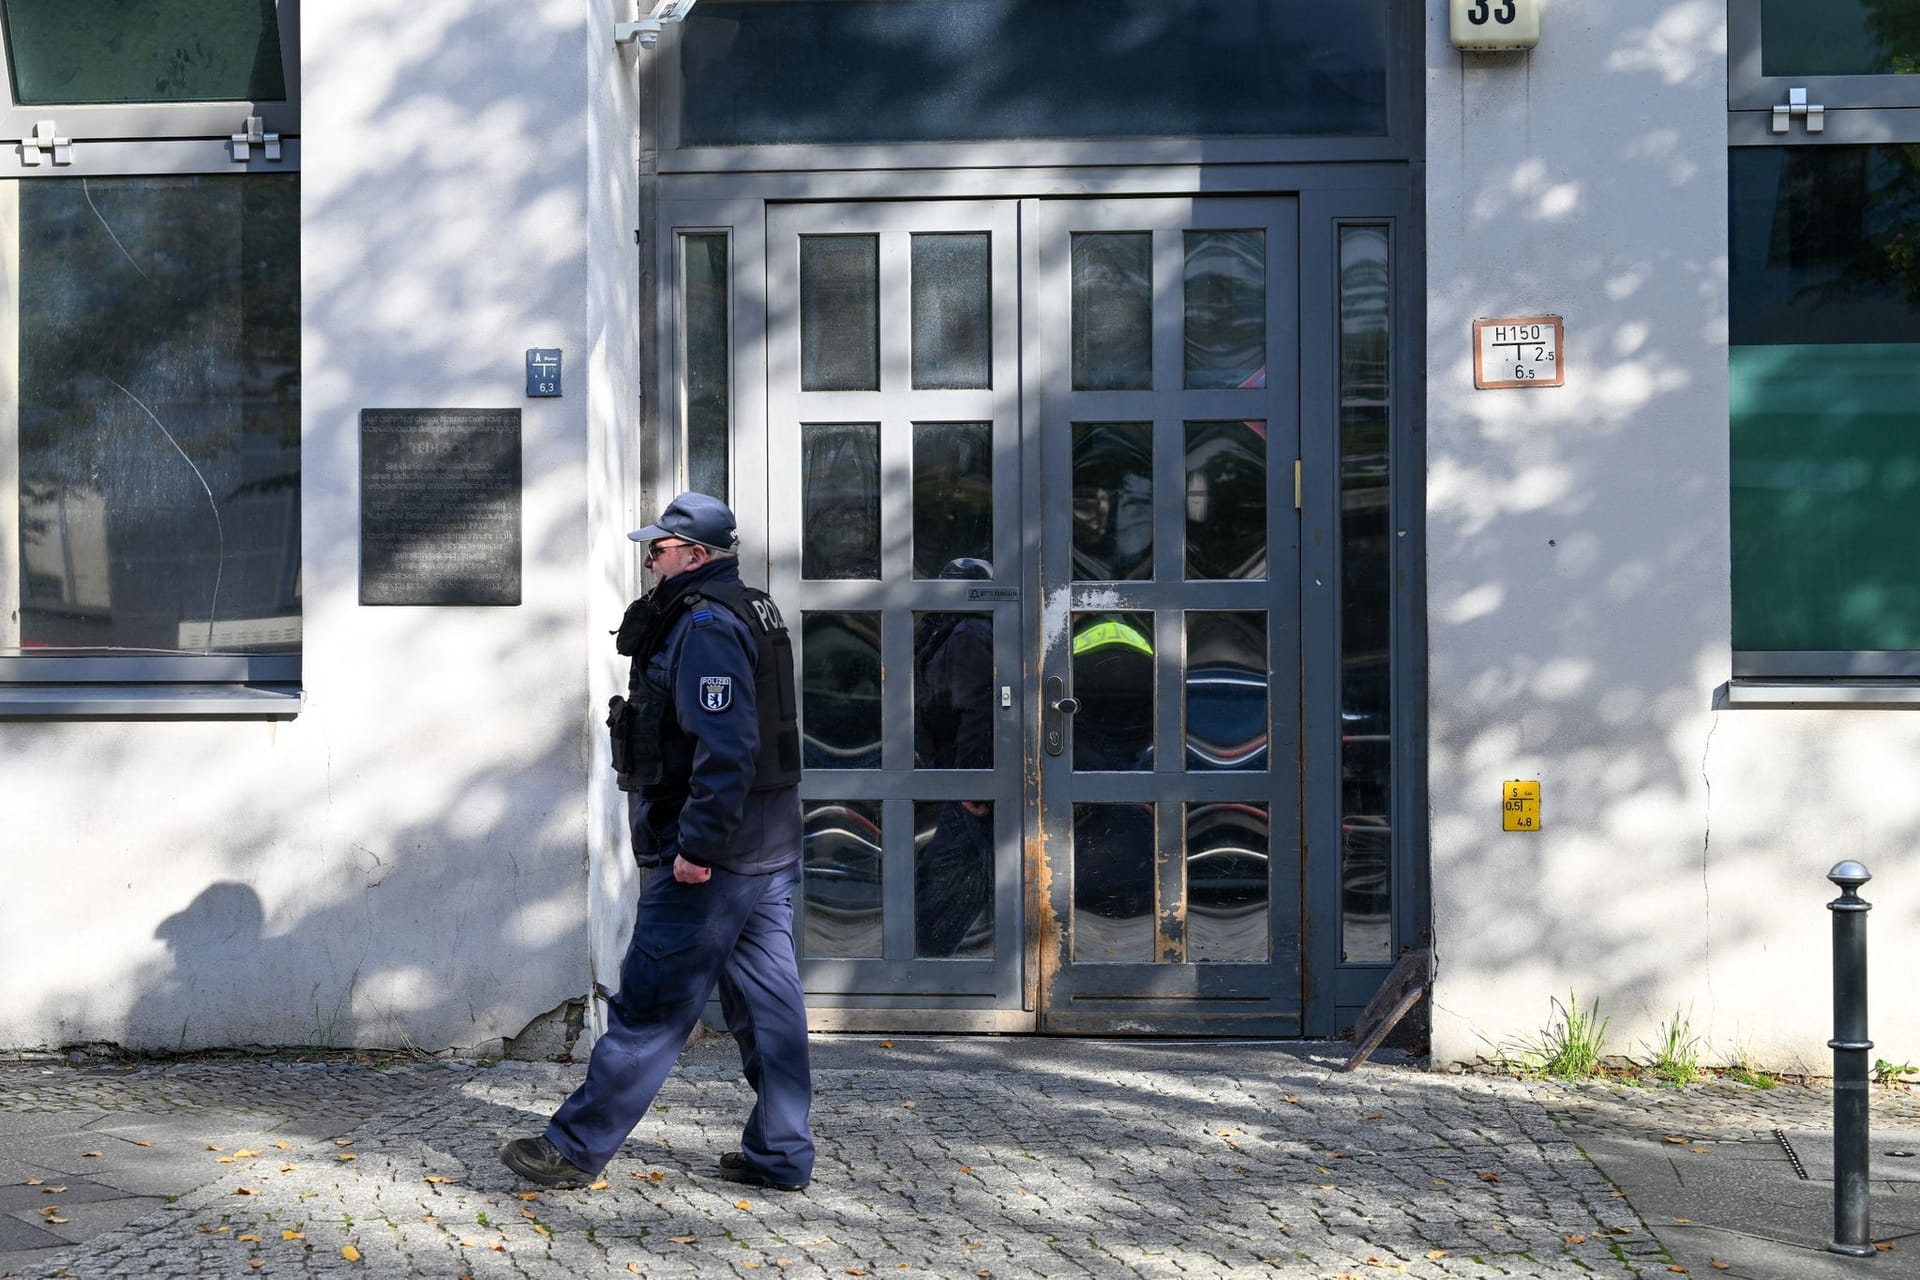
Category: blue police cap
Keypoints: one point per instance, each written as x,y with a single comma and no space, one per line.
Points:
696,517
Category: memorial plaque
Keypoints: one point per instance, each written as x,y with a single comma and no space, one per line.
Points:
439,506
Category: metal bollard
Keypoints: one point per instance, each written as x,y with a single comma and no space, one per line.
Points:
1850,1047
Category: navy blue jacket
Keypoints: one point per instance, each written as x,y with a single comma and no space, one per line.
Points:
705,667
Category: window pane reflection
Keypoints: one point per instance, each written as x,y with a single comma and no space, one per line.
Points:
159,415
953,879
840,690
1226,309
1838,38
1227,883
841,879
952,311
709,363
1113,678
1226,710
1113,879
953,690
1112,501
840,500
1112,310
952,495
102,51
1226,500
839,313
1366,597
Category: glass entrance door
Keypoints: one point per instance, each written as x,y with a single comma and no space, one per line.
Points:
1163,342
1032,511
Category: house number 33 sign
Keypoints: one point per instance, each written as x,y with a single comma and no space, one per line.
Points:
1495,24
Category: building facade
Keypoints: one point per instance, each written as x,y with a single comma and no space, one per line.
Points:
1115,396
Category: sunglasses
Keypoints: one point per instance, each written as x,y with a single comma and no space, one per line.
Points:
656,549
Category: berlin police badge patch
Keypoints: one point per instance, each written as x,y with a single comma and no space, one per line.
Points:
716,692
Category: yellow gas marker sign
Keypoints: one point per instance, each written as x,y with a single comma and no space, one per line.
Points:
1520,808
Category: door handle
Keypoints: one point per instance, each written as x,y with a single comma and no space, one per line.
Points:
1059,706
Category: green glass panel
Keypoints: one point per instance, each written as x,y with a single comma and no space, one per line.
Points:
1839,37
1826,496
71,51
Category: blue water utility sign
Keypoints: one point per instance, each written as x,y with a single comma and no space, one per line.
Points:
543,371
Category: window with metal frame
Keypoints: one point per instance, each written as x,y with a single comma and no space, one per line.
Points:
149,358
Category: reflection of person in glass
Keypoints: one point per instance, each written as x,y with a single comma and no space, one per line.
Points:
953,729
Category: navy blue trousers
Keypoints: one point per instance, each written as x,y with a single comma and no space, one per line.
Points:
735,932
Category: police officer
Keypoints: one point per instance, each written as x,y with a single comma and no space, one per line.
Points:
707,745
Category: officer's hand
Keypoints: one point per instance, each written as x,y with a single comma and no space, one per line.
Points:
687,873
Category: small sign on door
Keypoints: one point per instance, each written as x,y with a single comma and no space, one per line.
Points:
1520,805
1521,351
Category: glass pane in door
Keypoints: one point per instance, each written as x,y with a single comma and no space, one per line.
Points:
1113,311
1226,500
1113,884
952,499
840,499
952,311
1227,883
953,879
839,313
1226,712
1839,38
841,886
1112,501
840,687
1226,309
1113,679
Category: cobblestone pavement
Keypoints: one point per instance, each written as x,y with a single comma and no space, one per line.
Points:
939,1157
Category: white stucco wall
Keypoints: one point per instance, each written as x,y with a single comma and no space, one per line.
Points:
1579,586
406,862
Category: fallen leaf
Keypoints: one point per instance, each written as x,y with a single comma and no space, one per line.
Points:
1290,1098
256,1263
429,1219
1884,1246
972,1245
438,1179
1575,1238
683,1239
984,1274
909,1105
243,1154
1718,1265
856,1271
886,1044
468,1244
527,1195
1677,1269
284,1146
1683,1221
253,1237
350,1253
753,1264
1323,1186
1226,1133
966,1168
783,1262
543,1228
743,1204
224,1160
601,1185
220,1231
1489,1177
1699,1151
497,1247
89,1155
293,1235
1441,1182
656,1176
49,1211
211,1147
1678,1142
33,1182
243,1191
59,1222
51,1191
343,1142
1436,1254
634,1267
346,1155
288,1168
1378,1115
143,1144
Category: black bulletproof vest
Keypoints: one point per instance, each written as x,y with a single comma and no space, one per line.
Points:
777,764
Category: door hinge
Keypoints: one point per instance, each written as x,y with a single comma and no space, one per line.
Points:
1797,105
1296,485
45,138
255,135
